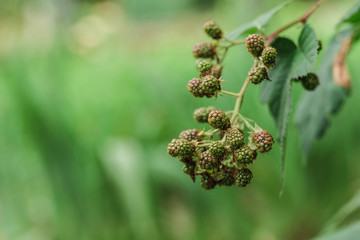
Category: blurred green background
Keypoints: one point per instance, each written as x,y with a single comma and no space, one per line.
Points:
91,92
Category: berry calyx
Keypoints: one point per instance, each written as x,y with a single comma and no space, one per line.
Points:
234,138
255,44
201,115
204,50
218,119
310,81
268,56
190,134
263,141
181,148
217,150
257,75
211,86
195,87
213,30
206,161
243,177
207,182
244,155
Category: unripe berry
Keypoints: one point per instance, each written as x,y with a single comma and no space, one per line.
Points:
206,161
204,50
203,65
188,169
245,155
195,87
228,179
172,148
268,56
211,86
217,150
319,46
243,177
310,81
235,138
201,115
207,182
263,141
212,29
218,119
255,44
181,148
190,134
257,75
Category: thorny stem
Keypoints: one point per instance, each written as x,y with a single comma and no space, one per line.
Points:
302,19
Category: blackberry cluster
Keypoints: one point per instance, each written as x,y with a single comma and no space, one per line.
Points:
218,119
309,81
257,75
213,30
204,50
255,44
268,56
221,156
263,141
201,115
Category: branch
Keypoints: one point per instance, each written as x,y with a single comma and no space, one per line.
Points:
302,19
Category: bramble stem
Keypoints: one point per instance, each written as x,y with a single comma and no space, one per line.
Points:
229,93
302,19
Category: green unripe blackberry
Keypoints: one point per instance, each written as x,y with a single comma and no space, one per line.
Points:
257,75
218,119
201,115
228,179
172,148
212,29
243,177
190,134
207,182
195,87
263,141
211,86
204,50
206,161
310,81
188,169
255,44
245,155
319,46
217,150
181,148
203,65
268,56
235,138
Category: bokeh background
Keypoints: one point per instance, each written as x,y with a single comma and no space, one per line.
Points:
92,91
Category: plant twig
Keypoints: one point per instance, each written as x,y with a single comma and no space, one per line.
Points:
302,19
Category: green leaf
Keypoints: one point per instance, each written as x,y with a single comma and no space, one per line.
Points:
291,62
352,16
313,113
350,232
257,24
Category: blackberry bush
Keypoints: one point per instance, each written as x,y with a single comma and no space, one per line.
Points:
221,154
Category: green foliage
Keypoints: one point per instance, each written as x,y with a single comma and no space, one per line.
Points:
352,17
256,25
351,232
314,110
292,62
